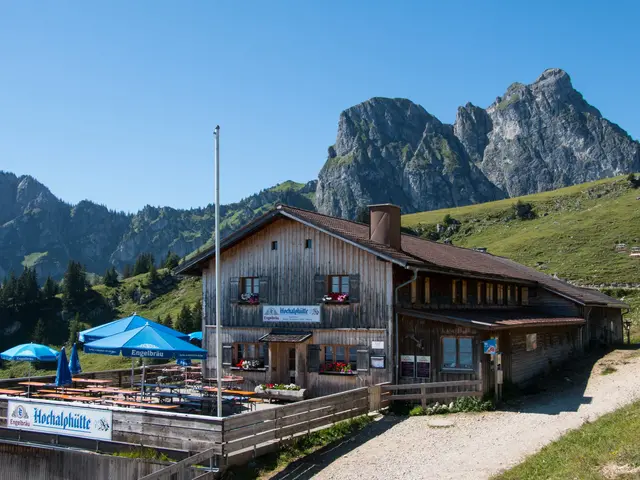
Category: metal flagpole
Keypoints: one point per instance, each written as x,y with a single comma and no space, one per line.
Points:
217,256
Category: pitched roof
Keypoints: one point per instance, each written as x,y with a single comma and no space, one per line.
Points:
416,252
495,319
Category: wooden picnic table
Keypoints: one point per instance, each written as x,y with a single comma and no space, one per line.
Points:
69,390
34,384
143,405
92,381
6,391
75,398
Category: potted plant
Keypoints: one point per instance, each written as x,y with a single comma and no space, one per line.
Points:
336,298
339,368
281,391
250,298
249,364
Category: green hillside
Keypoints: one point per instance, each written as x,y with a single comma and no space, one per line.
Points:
573,233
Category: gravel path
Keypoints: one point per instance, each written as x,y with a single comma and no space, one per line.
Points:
474,446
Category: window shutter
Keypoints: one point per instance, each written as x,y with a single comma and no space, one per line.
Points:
319,288
414,291
227,354
354,288
363,359
525,295
313,358
234,290
427,290
489,293
453,292
479,299
264,289
464,291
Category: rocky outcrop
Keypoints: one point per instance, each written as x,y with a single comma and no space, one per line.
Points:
544,136
392,150
533,138
39,230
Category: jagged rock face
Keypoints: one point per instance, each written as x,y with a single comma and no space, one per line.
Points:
544,136
39,230
392,150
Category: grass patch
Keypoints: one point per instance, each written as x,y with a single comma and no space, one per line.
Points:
272,463
33,259
608,370
588,451
144,453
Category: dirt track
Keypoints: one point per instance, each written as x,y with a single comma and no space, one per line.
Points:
475,446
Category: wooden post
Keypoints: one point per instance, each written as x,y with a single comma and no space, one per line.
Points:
423,395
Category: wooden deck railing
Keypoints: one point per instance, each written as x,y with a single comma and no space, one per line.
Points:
425,394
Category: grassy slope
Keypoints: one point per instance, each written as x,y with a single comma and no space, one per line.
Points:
575,239
582,453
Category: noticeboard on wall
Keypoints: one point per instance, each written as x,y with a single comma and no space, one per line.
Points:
377,361
407,366
423,366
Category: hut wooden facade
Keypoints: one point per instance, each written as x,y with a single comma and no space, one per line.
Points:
331,305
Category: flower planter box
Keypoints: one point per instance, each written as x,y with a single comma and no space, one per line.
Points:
287,395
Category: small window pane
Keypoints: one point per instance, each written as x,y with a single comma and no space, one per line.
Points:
328,353
335,284
308,243
264,353
274,245
256,286
251,351
466,353
240,352
344,285
340,354
449,352
353,357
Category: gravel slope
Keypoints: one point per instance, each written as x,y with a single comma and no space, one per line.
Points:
475,446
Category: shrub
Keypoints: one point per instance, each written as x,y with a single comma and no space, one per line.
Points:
463,404
635,182
524,211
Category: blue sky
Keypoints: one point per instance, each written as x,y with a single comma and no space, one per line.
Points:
116,101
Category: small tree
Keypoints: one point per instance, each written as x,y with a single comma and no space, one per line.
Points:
50,288
74,286
40,332
196,317
171,261
74,329
168,321
143,263
111,277
153,275
184,321
635,182
126,271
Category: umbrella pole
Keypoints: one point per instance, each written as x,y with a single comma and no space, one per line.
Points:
143,375
29,379
132,373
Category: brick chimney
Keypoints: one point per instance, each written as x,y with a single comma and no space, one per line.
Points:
384,225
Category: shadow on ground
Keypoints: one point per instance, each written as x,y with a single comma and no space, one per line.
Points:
307,467
563,389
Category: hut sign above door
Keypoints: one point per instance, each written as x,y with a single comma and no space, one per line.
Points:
291,314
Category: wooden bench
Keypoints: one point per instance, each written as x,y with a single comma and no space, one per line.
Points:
157,406
63,390
6,391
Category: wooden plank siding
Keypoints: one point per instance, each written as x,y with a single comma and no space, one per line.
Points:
291,271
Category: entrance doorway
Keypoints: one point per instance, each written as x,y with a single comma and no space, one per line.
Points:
292,365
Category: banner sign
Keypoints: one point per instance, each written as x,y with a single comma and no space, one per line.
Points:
291,314
407,366
490,346
60,419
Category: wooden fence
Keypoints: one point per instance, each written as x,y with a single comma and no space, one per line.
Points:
235,440
424,392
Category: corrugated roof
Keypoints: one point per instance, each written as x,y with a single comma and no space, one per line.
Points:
494,319
416,252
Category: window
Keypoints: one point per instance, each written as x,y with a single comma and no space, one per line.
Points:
251,285
532,342
414,291
340,358
459,291
339,284
524,297
457,353
490,299
308,243
500,294
257,354
274,245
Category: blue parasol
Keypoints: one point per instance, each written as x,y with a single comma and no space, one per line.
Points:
146,342
195,336
63,374
74,361
30,352
124,325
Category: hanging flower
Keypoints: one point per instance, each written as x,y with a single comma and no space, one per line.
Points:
336,297
250,298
